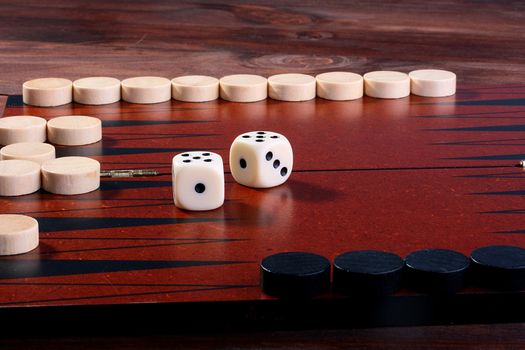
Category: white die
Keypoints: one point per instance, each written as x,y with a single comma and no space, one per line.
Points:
261,159
198,180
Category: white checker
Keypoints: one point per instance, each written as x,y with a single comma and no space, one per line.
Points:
96,90
74,130
22,128
195,88
146,90
71,175
47,92
243,88
339,86
37,152
432,83
19,177
18,234
291,87
387,84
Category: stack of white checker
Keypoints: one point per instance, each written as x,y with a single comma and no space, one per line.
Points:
243,88
27,163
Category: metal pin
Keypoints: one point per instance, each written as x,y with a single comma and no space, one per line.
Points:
128,173
521,164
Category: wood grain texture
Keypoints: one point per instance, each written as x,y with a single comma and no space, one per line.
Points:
481,41
479,337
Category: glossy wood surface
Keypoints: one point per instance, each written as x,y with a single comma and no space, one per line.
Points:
96,247
481,41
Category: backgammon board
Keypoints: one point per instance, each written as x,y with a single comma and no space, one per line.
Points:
393,175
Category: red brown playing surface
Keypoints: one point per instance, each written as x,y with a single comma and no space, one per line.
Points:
395,175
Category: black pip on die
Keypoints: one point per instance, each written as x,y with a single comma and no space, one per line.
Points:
261,159
198,180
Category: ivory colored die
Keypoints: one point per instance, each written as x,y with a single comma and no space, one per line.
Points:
261,159
198,180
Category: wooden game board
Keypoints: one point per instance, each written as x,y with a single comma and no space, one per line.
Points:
396,175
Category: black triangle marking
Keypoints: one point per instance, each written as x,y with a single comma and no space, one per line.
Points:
127,206
496,88
114,151
512,232
502,193
54,224
120,123
508,211
519,156
91,196
25,268
124,185
500,142
113,138
477,115
495,128
499,102
154,239
519,175
142,247
14,101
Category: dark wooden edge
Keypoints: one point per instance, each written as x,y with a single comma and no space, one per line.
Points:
322,313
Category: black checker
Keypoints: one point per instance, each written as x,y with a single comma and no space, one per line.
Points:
499,267
367,272
436,271
295,275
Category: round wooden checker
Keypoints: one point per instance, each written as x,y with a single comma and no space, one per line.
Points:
37,152
367,272
387,84
47,92
291,87
432,83
295,275
436,271
71,175
22,128
74,130
18,234
499,267
195,88
19,177
339,86
146,90
243,88
96,90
